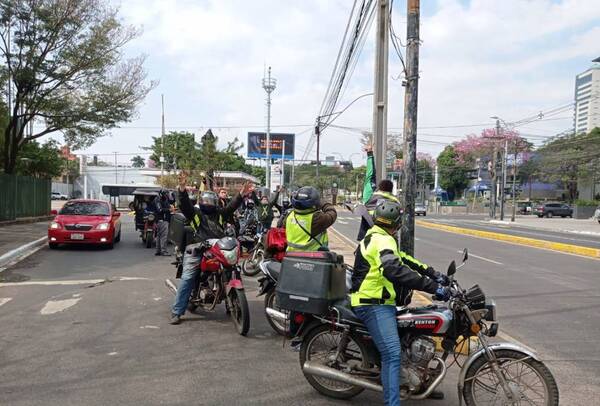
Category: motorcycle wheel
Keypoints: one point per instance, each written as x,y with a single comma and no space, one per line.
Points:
250,265
272,302
320,345
239,311
148,239
482,386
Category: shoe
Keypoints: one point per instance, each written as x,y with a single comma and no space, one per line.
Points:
157,253
165,254
295,345
175,319
436,395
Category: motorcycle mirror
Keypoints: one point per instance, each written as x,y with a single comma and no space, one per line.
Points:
451,269
465,255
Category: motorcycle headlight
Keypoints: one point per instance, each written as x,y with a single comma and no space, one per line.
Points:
231,256
103,226
54,225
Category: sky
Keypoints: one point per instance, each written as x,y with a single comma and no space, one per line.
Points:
479,58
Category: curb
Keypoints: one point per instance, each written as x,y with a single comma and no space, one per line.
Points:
26,220
518,225
512,239
22,252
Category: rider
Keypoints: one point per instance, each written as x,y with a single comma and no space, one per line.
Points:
265,208
380,281
207,222
306,225
372,196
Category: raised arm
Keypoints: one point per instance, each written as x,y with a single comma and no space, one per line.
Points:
370,176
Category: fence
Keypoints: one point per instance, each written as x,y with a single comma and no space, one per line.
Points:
23,196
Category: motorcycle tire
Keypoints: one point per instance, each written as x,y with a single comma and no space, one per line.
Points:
240,312
328,387
271,301
148,239
512,358
250,265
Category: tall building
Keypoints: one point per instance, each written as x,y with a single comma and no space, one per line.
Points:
587,99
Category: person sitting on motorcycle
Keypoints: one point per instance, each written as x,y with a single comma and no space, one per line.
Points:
380,282
306,225
265,209
373,192
207,222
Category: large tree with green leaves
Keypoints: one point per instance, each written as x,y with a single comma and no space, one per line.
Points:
452,172
64,60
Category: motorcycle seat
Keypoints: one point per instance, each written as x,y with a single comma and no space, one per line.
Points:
346,313
274,269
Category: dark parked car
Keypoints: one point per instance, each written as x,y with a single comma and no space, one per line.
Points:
553,209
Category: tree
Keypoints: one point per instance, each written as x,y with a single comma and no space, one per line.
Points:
179,148
452,172
64,60
42,161
138,162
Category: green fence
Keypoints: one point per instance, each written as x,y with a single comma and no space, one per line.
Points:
23,196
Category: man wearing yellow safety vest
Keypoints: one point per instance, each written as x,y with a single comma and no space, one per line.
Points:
372,196
380,281
306,225
207,220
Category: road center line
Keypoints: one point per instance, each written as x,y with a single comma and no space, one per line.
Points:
483,259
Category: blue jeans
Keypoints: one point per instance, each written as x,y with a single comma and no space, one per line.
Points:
191,269
381,323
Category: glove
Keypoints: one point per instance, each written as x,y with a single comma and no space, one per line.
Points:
441,278
442,293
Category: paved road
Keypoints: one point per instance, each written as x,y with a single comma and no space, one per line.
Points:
546,299
108,343
482,223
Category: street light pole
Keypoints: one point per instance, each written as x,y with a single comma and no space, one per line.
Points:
380,98
269,85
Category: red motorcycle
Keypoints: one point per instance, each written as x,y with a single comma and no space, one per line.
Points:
220,281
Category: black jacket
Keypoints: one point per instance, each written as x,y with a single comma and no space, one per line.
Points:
207,225
265,211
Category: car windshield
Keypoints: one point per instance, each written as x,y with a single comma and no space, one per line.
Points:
86,209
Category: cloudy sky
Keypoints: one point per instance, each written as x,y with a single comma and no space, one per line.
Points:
480,58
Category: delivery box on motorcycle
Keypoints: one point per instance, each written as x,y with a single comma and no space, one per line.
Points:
180,233
311,281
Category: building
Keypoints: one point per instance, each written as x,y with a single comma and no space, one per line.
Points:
587,99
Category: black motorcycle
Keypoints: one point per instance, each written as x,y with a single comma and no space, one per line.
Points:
339,359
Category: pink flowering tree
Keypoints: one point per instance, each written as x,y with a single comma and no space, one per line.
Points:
482,146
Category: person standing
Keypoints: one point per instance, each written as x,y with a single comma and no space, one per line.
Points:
164,206
265,209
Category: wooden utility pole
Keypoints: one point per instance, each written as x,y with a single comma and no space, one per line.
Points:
380,96
407,241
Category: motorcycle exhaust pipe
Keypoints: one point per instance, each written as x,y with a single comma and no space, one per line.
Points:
330,373
277,315
435,382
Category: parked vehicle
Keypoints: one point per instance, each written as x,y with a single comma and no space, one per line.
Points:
85,222
553,209
58,196
525,207
338,357
420,210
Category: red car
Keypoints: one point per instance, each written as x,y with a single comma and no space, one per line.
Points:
85,222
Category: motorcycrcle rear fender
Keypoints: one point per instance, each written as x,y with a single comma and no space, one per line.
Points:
481,353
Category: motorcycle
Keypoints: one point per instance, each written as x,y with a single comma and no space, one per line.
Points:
220,281
255,255
338,357
150,229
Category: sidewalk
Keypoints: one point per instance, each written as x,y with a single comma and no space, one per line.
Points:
15,236
564,225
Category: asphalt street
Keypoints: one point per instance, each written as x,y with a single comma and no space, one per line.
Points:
86,326
546,300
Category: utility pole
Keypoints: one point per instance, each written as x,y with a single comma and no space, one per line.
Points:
282,165
318,134
116,174
407,241
380,98
494,175
269,85
503,181
514,178
162,138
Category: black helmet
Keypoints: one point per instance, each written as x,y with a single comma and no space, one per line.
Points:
208,199
388,214
307,197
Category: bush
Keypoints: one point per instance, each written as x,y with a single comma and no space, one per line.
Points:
583,203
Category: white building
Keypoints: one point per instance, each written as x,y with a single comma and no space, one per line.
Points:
587,99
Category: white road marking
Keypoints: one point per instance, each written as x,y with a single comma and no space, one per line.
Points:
150,327
69,282
342,222
157,298
112,353
55,306
5,300
482,258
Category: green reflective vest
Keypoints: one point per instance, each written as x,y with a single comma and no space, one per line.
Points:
375,288
298,233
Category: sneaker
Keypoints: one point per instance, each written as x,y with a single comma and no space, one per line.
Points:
165,254
175,319
157,253
295,345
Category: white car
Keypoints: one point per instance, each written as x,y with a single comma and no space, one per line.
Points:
58,196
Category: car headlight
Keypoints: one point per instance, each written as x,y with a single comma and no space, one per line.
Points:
231,256
103,226
54,225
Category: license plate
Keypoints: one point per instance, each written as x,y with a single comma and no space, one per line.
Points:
77,236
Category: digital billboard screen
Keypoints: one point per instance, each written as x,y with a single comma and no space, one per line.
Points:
257,145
